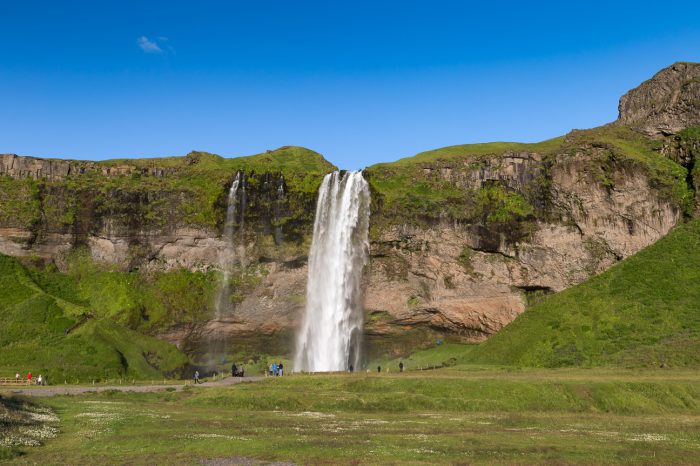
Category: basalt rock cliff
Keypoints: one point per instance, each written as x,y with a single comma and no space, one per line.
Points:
462,238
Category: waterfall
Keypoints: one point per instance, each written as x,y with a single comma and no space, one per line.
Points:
329,338
279,201
241,229
227,258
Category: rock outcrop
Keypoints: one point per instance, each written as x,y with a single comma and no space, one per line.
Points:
471,279
665,104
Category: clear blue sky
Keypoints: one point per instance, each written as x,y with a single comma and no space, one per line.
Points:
359,81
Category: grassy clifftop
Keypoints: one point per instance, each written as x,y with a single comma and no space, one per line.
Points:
423,187
187,190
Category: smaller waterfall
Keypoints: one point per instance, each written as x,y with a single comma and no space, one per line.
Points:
329,338
228,257
278,211
241,224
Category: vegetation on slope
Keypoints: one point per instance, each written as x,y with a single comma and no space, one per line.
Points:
644,311
52,324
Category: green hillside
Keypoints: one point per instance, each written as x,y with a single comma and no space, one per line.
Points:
644,311
37,307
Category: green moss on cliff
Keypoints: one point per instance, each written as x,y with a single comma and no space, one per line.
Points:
625,145
149,194
465,183
19,202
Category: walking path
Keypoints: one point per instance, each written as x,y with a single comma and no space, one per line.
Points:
68,390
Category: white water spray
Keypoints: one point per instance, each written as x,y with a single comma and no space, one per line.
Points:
329,338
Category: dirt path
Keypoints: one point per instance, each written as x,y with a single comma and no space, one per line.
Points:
68,390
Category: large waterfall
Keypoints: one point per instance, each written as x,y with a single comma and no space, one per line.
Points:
329,338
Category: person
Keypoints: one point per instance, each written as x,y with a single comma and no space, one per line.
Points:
241,371
274,369
280,367
351,368
401,366
271,370
196,377
29,377
17,377
379,369
234,370
38,381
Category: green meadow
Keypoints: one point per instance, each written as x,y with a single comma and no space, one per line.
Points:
447,416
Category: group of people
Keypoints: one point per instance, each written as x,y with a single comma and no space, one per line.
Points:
41,380
379,368
276,369
237,371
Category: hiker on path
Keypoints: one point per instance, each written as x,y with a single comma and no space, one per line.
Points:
280,367
241,371
379,369
196,377
38,381
17,377
401,366
274,369
234,370
29,377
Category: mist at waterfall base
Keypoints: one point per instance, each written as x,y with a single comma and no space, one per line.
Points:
330,335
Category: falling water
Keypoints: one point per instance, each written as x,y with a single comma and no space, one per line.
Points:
241,229
279,201
227,258
330,334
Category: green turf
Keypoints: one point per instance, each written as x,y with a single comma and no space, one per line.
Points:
448,417
37,307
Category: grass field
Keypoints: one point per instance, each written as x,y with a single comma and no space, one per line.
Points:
436,417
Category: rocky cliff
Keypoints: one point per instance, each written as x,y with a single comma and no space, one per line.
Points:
666,104
462,238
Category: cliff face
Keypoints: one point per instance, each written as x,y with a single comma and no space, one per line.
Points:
471,277
462,238
665,104
139,215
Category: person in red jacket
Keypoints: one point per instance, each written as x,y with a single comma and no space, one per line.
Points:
29,377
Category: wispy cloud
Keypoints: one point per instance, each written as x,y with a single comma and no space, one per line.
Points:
148,45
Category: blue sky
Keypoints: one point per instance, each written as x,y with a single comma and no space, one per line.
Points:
361,82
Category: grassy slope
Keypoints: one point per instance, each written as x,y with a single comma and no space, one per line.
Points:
450,417
32,333
643,312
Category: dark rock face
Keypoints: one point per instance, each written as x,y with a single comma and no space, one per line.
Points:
665,104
